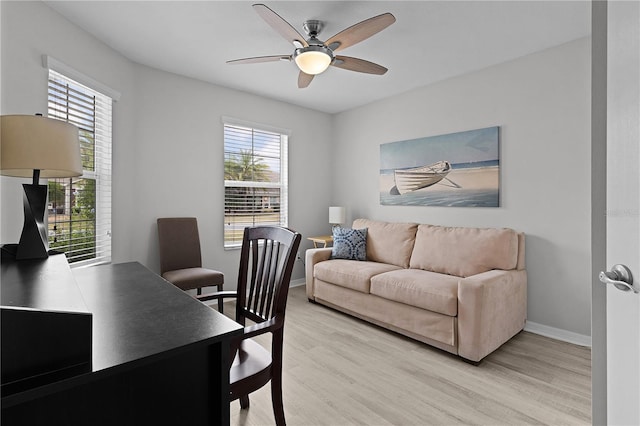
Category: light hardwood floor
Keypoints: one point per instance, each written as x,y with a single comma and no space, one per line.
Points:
343,371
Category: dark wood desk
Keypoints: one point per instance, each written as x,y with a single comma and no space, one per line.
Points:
158,355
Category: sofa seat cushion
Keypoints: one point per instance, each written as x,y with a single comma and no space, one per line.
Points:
427,326
353,274
422,289
464,251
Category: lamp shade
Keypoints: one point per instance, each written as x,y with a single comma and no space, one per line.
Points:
337,215
31,142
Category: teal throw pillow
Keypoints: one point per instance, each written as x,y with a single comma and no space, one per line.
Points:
349,243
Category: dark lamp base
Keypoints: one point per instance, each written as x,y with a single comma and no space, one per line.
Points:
33,240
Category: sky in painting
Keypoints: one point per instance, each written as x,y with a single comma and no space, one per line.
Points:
462,147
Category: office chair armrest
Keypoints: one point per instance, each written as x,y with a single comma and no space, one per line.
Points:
261,328
217,295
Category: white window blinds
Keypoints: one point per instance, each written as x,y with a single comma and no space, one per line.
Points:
79,209
255,180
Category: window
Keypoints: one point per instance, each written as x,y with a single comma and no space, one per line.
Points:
255,180
79,209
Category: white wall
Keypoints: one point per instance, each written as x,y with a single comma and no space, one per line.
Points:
542,104
167,154
180,164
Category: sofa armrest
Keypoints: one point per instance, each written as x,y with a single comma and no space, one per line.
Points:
492,308
313,256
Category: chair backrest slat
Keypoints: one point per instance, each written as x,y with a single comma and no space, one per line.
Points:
275,247
268,276
264,275
254,282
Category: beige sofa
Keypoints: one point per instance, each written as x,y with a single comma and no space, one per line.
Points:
463,290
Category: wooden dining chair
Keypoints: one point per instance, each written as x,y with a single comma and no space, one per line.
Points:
266,262
181,259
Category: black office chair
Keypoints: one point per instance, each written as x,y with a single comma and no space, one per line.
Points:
266,262
181,259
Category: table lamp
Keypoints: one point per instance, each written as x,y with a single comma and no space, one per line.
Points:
337,216
33,145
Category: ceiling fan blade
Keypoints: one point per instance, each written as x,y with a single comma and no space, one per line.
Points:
359,65
280,25
304,80
258,59
360,31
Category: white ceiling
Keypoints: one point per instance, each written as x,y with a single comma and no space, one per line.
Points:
430,41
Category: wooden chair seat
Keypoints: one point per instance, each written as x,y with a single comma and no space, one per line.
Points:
252,364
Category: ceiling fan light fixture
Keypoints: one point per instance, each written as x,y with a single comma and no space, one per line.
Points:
313,59
313,56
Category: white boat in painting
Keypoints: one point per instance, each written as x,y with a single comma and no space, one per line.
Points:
408,180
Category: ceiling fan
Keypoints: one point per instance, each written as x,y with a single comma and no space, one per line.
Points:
313,56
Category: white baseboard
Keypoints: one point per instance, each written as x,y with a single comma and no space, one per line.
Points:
558,334
297,283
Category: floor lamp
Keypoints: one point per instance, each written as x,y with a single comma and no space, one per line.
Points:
36,146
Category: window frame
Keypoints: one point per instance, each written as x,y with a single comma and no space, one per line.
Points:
102,124
282,184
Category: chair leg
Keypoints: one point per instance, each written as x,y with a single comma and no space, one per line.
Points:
276,399
276,378
220,302
244,401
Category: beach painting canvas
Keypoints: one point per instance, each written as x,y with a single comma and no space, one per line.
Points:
456,170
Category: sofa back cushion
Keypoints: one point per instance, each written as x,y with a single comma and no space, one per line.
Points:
464,251
387,242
